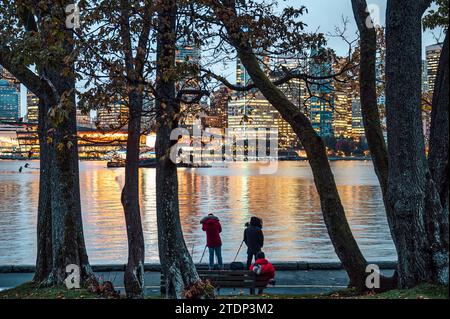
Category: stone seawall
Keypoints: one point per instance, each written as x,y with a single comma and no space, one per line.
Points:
279,266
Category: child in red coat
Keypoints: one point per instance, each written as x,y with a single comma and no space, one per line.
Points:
263,269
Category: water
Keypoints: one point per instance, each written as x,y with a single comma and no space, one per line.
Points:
287,202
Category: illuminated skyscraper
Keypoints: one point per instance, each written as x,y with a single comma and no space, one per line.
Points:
9,102
13,82
217,112
357,121
321,103
32,107
294,91
433,55
342,115
242,76
188,55
425,86
251,110
4,74
115,116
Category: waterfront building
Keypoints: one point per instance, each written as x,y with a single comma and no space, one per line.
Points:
433,53
357,121
32,108
425,86
9,145
342,115
13,82
5,75
294,91
248,111
217,111
187,58
84,120
113,117
147,118
9,102
380,79
21,141
321,103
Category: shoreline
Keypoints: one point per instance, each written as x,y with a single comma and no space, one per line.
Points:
154,267
302,159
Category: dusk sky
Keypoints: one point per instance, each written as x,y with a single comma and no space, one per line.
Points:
327,14
324,16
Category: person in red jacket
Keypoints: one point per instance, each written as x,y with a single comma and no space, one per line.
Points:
211,225
263,269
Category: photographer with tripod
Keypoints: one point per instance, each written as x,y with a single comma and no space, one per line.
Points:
254,239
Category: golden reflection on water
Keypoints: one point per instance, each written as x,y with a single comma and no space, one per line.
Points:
287,202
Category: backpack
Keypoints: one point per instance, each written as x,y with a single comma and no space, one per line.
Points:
237,266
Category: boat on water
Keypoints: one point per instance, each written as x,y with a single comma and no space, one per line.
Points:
148,160
151,163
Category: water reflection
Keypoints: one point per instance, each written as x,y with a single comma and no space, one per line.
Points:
287,202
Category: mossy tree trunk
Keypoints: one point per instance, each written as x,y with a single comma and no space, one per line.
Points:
176,263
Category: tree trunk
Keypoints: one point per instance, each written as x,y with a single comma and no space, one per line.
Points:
134,272
339,231
67,227
176,263
438,164
411,194
368,93
369,108
60,229
44,256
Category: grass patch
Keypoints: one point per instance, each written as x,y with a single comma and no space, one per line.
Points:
31,291
425,291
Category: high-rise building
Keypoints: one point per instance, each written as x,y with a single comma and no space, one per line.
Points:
83,119
188,54
5,75
357,120
32,108
250,111
433,53
342,115
113,117
425,86
9,102
147,120
321,103
242,76
217,113
379,73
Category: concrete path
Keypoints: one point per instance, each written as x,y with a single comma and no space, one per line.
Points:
288,282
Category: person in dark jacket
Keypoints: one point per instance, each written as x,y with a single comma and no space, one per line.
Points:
211,225
254,239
